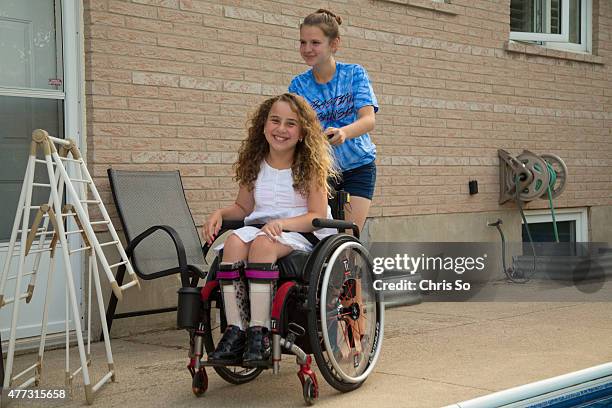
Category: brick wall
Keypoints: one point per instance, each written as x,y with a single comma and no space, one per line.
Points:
170,84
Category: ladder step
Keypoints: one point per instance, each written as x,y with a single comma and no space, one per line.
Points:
129,285
33,251
71,214
73,232
25,274
68,159
25,371
90,201
30,230
11,300
78,370
103,381
109,243
80,249
80,181
63,215
34,207
38,251
41,185
38,234
99,222
118,264
44,161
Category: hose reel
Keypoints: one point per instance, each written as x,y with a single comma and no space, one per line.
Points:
531,174
525,178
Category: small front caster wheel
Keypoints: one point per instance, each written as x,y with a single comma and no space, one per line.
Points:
310,391
199,384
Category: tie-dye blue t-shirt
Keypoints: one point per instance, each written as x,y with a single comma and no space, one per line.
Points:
336,103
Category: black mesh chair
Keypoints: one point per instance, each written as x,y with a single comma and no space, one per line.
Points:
161,235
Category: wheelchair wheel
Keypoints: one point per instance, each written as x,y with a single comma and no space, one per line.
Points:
199,383
309,391
214,326
345,321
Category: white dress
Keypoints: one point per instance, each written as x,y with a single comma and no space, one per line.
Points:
276,198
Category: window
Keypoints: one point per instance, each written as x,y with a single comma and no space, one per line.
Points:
571,225
543,231
560,24
572,228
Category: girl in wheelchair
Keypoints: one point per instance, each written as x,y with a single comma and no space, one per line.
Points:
282,170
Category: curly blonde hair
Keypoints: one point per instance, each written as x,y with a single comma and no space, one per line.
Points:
313,160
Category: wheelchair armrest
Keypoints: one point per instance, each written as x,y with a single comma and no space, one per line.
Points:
231,224
338,224
183,268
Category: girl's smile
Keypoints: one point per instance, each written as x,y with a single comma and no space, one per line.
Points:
282,129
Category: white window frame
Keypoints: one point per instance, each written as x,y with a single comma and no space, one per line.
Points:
563,37
579,215
561,41
72,93
74,82
586,32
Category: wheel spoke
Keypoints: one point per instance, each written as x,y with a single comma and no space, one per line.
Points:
346,334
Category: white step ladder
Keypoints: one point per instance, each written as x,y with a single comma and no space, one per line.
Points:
54,217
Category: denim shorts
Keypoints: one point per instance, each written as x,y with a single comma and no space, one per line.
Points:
359,182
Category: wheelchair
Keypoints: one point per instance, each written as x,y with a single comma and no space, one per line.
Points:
324,306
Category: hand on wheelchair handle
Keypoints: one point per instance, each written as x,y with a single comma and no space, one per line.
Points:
336,136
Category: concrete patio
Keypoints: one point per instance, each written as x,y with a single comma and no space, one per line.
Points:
434,354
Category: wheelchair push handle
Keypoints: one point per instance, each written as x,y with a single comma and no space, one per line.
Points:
338,224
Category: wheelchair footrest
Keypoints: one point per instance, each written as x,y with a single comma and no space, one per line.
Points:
260,364
263,364
216,364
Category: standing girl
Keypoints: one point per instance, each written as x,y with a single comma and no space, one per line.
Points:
282,170
345,103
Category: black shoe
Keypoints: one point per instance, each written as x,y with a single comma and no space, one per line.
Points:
230,348
258,350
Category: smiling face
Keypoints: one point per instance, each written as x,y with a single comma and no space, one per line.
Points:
282,129
315,47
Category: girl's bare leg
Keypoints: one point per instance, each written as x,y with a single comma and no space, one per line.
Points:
357,211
